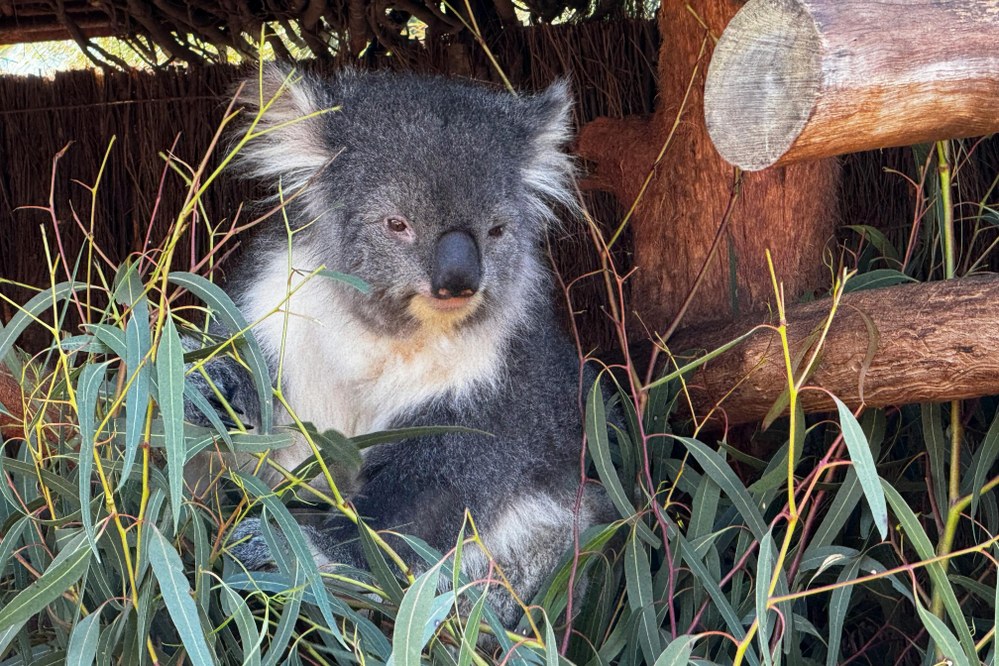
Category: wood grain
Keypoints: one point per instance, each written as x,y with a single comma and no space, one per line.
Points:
794,80
929,342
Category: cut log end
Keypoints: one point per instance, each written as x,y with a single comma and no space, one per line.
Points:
762,83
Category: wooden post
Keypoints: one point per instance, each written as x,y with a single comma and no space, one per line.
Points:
682,197
795,80
929,342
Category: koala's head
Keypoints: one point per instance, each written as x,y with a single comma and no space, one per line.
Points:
435,192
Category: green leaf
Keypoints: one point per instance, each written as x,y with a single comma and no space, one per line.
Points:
176,590
591,542
379,567
938,575
414,615
111,337
693,365
945,641
711,585
338,452
764,574
839,603
65,569
87,392
7,635
881,277
720,472
703,508
28,312
201,403
982,462
170,387
875,237
995,614
127,285
299,547
351,280
863,463
842,506
402,434
677,653
551,647
470,635
137,346
599,446
230,316
249,639
292,595
82,648
638,579
28,471
936,448
10,541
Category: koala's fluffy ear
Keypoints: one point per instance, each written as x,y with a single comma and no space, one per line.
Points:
287,108
549,170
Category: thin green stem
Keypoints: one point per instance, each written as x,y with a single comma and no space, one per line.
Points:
955,503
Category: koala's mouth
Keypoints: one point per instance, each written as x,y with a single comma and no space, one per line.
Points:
443,314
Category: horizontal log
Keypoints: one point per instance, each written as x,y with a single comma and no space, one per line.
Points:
795,80
928,342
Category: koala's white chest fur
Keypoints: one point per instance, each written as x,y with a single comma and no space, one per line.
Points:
337,373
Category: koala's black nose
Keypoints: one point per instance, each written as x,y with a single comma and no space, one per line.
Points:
457,270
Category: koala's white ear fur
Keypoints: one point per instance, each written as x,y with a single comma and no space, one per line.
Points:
291,148
550,170
553,107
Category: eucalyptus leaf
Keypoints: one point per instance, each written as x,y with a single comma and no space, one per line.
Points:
82,648
137,348
640,598
176,590
170,396
863,464
416,615
65,570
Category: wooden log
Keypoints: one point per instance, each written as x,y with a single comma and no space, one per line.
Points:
928,342
682,199
796,80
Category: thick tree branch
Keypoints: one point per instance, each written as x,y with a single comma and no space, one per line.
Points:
795,80
929,342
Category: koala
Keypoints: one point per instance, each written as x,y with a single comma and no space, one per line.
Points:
437,193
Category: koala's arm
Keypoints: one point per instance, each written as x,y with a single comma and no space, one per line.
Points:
223,382
419,486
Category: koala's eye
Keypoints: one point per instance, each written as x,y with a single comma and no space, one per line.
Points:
396,224
497,231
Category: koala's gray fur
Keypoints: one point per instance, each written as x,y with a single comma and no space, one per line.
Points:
438,156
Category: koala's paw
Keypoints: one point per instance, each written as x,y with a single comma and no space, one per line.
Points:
249,545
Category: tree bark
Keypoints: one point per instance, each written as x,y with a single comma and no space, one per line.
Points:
677,217
796,80
929,342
